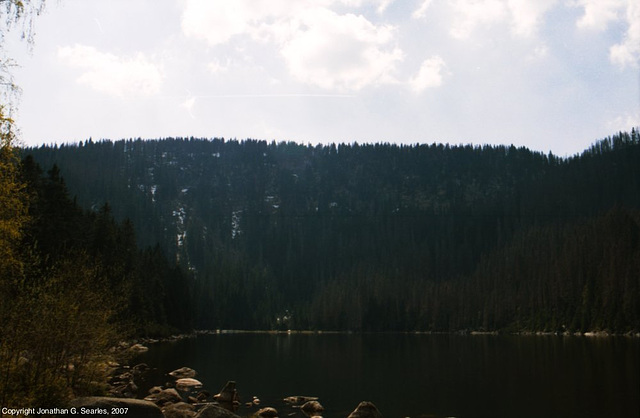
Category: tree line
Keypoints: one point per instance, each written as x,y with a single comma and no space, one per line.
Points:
379,236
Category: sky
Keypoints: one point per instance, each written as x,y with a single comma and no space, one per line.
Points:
551,75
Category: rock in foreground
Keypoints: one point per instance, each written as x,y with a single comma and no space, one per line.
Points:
183,373
95,406
186,384
267,412
164,397
365,410
228,393
179,410
228,397
214,411
312,408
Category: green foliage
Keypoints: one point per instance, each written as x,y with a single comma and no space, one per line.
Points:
54,324
13,205
13,215
56,334
75,285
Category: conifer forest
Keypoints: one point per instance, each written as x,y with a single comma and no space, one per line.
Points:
215,233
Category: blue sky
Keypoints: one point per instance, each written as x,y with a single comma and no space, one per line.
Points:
552,75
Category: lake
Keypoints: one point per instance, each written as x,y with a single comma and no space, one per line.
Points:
417,375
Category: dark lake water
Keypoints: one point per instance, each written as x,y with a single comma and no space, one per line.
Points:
414,375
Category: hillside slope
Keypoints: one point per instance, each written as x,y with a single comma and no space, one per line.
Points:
380,236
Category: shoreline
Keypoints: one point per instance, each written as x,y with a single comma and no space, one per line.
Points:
177,337
158,388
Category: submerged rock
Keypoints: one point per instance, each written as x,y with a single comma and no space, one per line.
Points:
365,410
141,367
294,400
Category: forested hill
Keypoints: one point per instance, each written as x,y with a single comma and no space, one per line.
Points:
380,236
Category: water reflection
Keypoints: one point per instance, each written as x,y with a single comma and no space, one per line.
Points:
420,375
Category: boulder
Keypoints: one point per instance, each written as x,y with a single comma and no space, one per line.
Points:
139,368
267,412
312,408
123,391
365,410
155,389
165,396
119,379
183,373
138,348
100,406
179,410
132,387
203,396
187,384
215,411
228,393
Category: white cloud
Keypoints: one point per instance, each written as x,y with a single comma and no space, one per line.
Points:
421,11
527,15
111,74
627,53
598,13
383,5
218,21
215,21
188,104
539,52
430,74
319,46
471,13
523,16
624,122
340,51
216,67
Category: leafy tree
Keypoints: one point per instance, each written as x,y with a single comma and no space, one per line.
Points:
54,324
14,13
13,202
13,216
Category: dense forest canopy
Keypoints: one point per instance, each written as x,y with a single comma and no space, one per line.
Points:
379,236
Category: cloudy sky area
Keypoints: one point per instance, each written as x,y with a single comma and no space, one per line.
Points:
552,75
